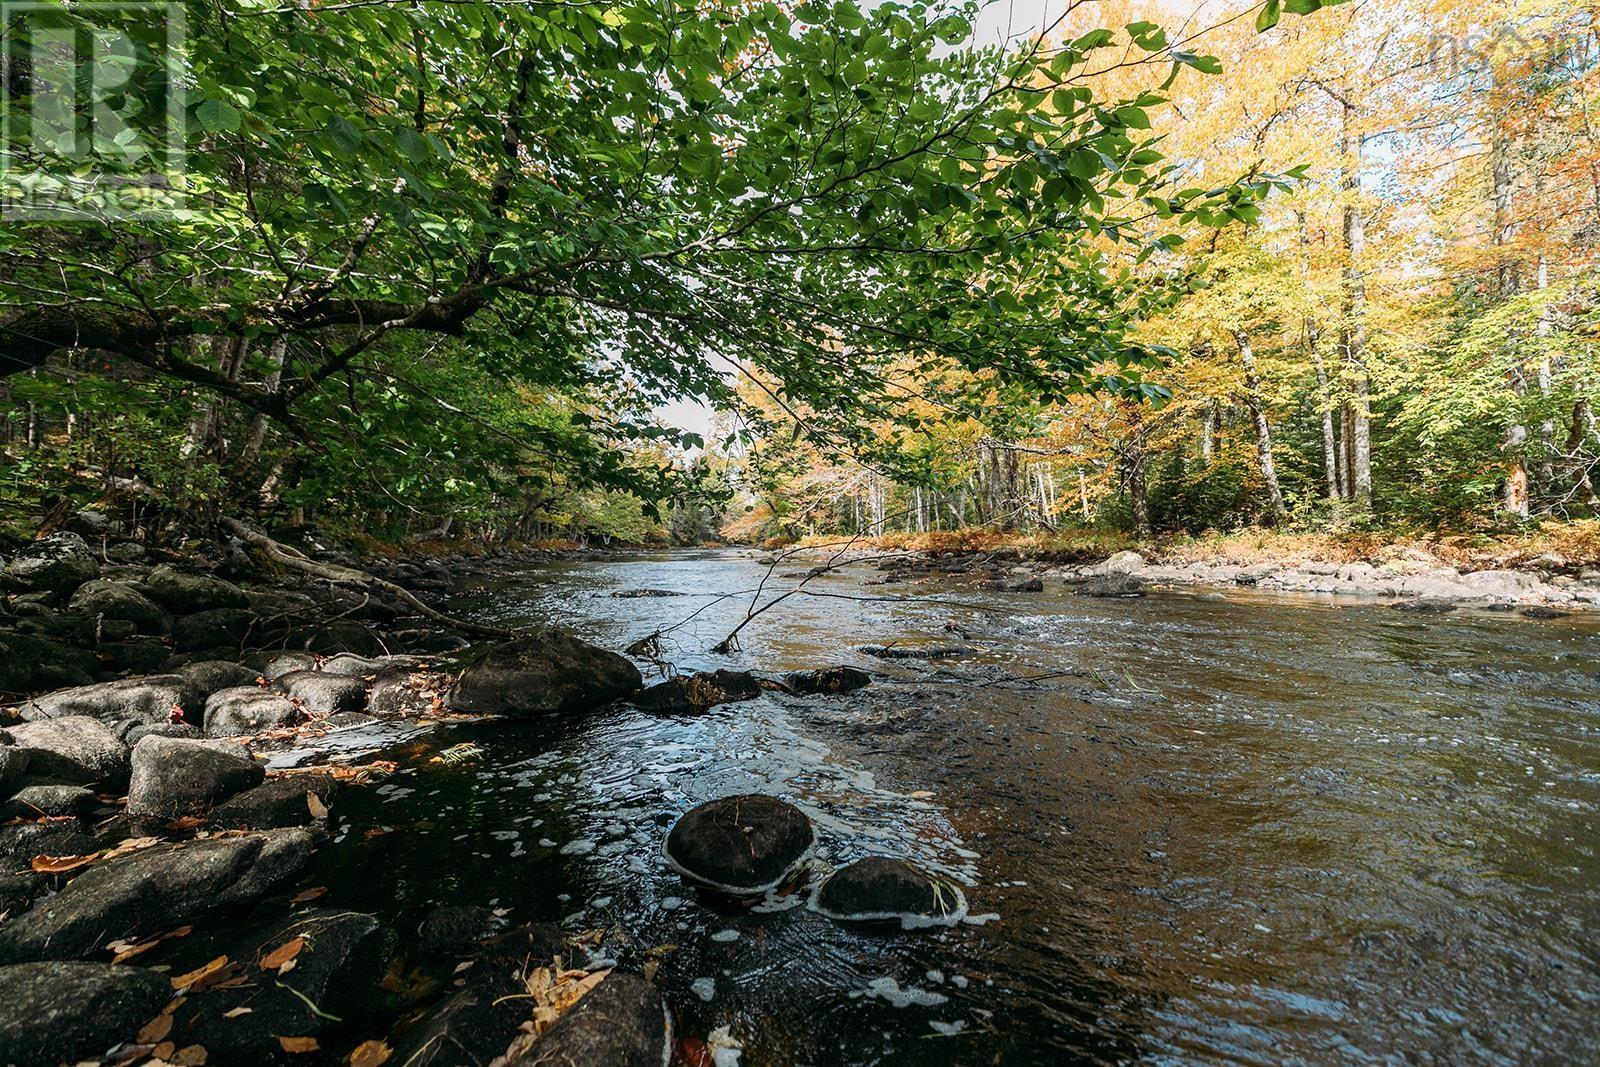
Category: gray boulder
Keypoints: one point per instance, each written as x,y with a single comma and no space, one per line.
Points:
215,628
13,765
247,710
546,672
153,890
120,600
207,676
275,803
56,563
74,749
620,1023
183,593
151,699
324,694
132,731
289,663
1113,585
55,1012
173,776
41,799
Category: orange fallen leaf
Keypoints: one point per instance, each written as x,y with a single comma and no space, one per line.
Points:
163,1050
199,974
308,894
188,822
299,1044
155,1030
370,1054
61,864
189,1056
283,954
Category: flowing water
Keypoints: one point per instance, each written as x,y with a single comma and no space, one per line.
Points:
1258,829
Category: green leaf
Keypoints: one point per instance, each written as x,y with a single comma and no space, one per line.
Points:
217,116
1268,16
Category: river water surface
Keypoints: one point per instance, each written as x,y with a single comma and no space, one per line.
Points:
1191,828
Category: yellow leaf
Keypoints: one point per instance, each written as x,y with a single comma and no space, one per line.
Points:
199,974
370,1054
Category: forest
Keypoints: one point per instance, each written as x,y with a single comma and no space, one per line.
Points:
447,273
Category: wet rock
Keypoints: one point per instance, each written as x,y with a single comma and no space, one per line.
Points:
133,731
289,663
120,600
74,749
913,651
1541,611
20,843
150,699
19,889
697,692
827,680
13,765
55,563
343,955
879,889
216,628
275,803
1114,585
173,776
341,635
208,676
66,1012
620,1023
247,710
630,594
1015,585
454,928
153,890
745,844
1426,606
34,801
546,672
348,665
183,593
323,694
404,692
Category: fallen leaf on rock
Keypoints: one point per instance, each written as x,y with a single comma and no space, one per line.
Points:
370,1054
188,822
126,950
199,974
155,1030
319,810
163,1050
61,864
308,894
299,1044
234,1013
283,954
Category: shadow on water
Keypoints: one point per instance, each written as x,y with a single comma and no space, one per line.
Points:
1252,829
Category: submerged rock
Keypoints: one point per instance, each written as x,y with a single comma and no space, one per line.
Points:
66,1012
620,1023
913,651
152,699
74,749
629,594
173,777
55,563
743,844
879,889
153,890
1014,585
546,672
452,928
1426,605
827,680
697,692
247,710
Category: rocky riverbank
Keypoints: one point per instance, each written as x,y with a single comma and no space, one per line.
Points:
147,698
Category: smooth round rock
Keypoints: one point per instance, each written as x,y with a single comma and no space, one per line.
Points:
323,694
247,710
173,776
744,844
543,673
879,889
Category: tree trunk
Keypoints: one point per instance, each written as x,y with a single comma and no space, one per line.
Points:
1258,414
1138,495
1353,330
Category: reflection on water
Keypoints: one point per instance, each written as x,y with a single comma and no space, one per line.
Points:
1256,829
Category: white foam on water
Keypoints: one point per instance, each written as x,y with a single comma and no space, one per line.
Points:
704,988
887,989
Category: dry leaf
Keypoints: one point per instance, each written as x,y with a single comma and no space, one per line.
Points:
370,1054
284,953
299,1044
163,1050
190,1056
308,894
199,974
234,1013
155,1030
319,810
61,864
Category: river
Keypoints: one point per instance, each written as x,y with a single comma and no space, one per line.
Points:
1191,827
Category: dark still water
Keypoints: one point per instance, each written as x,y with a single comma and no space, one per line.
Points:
1191,829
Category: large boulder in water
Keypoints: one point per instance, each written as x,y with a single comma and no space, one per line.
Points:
742,844
619,1023
826,680
151,891
292,800
545,672
323,694
151,699
697,692
878,889
173,776
55,563
53,1013
74,749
